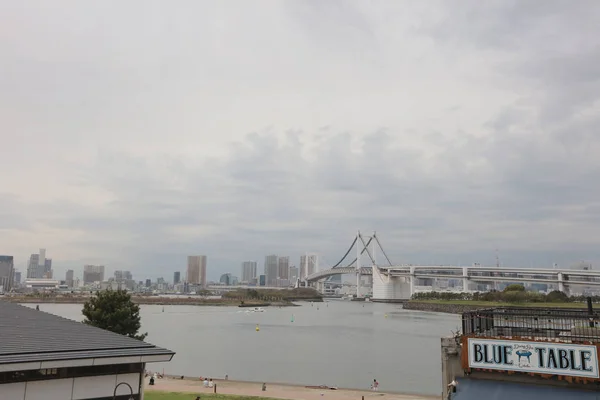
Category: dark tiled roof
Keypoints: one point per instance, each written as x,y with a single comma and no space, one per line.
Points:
28,335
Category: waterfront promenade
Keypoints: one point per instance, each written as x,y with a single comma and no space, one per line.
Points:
279,391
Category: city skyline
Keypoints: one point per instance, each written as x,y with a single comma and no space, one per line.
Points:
282,270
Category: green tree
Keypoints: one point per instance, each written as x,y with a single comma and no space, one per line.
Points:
515,287
557,297
114,311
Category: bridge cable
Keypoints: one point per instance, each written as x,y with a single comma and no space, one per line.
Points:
382,250
361,253
367,247
346,255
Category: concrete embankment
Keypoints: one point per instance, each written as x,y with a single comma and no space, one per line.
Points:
441,307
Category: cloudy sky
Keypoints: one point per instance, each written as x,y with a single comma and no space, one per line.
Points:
136,133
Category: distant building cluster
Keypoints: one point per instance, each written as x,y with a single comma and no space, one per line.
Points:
277,271
39,267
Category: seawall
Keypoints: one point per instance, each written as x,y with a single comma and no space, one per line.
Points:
441,307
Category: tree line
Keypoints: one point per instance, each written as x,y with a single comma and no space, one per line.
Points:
514,293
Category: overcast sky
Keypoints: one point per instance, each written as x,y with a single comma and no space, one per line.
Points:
136,133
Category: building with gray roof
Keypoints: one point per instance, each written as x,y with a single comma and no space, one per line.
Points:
43,356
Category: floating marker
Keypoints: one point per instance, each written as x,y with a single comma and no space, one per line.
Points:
386,315
257,328
292,317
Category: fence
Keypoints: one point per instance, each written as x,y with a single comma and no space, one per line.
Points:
537,323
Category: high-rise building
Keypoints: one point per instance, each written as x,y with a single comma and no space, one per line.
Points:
42,257
196,270
248,271
148,283
93,273
122,276
17,280
7,271
176,277
271,269
293,273
48,272
32,266
308,265
69,278
283,268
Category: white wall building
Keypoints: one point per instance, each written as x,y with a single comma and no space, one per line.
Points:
43,356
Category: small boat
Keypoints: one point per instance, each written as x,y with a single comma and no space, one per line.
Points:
255,305
256,309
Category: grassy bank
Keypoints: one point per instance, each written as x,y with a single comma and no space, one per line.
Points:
154,395
478,303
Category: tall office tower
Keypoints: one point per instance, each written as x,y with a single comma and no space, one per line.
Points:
308,265
69,278
196,270
17,280
176,277
283,268
248,271
42,257
271,270
93,273
293,273
32,266
47,273
122,276
7,271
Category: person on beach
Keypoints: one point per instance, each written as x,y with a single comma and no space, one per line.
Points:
210,383
264,387
205,383
375,386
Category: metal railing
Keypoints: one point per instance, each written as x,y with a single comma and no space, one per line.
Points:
569,325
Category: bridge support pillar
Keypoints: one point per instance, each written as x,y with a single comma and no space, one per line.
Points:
465,279
561,282
390,289
412,281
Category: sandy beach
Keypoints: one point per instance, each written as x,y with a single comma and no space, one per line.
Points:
279,391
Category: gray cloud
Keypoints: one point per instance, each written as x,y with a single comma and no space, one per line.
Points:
452,131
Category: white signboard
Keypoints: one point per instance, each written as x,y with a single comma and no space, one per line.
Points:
535,357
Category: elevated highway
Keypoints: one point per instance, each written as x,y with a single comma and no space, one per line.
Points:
392,283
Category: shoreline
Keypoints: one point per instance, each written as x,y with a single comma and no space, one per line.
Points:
284,391
160,302
459,307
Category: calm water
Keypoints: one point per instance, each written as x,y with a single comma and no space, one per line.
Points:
339,343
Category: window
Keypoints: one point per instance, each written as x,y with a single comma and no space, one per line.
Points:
70,372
